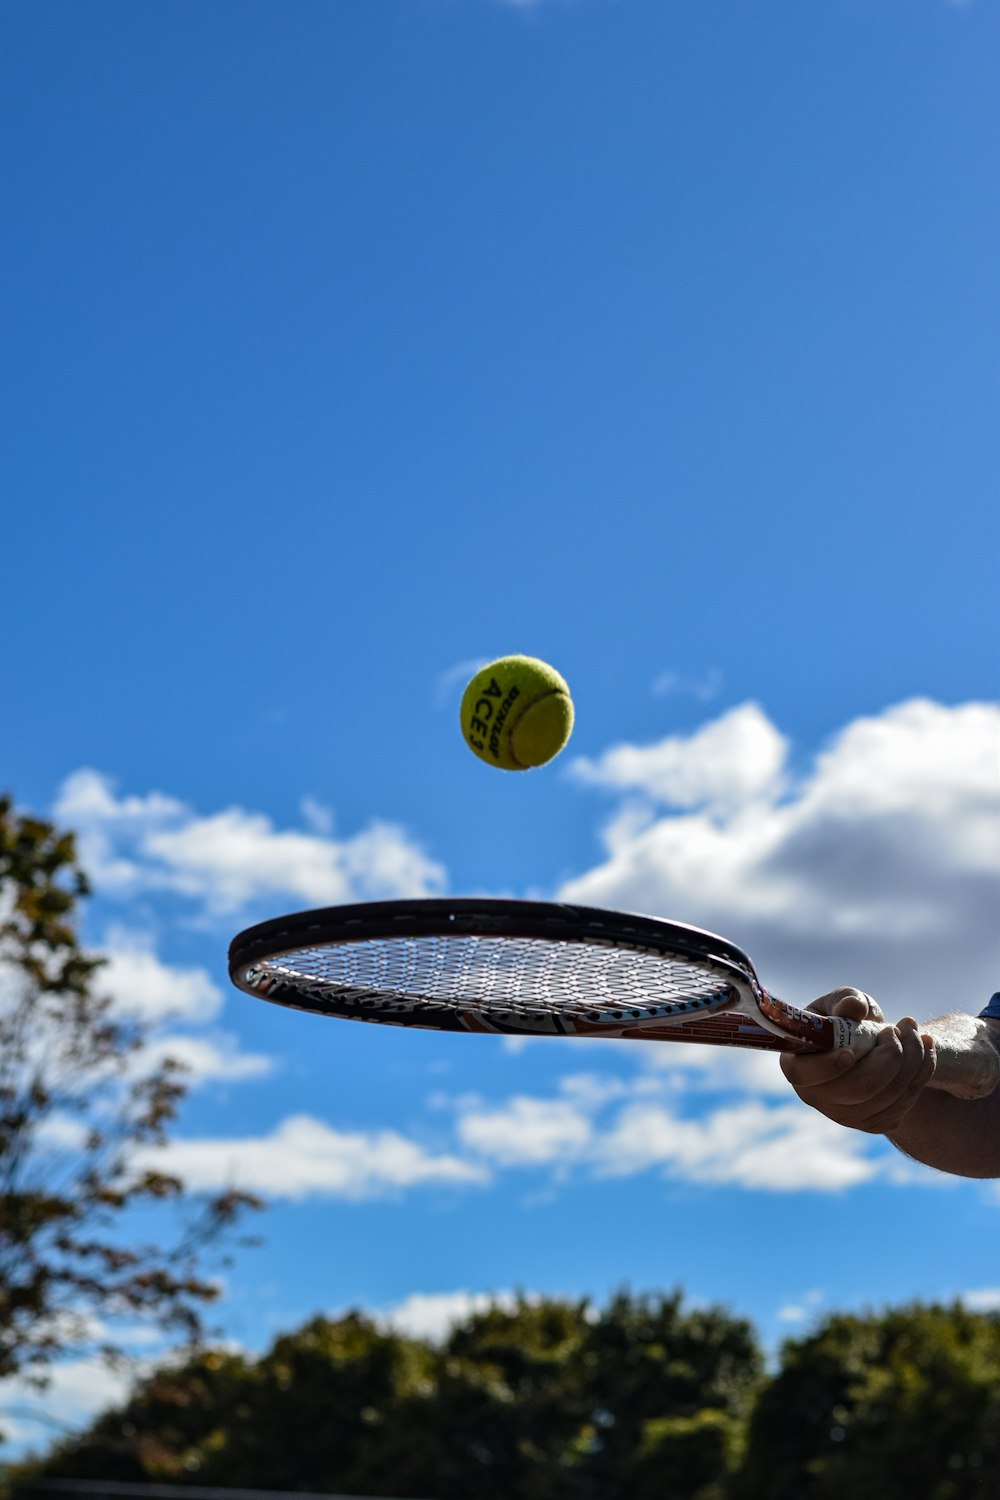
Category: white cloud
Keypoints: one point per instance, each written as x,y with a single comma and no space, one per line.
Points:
527,1132
305,1157
703,688
591,1090
602,1127
610,1127
738,757
78,1391
230,858
718,1069
207,1060
432,1315
142,985
806,1307
61,1134
679,1066
985,1299
79,1388
86,803
145,987
880,866
781,1148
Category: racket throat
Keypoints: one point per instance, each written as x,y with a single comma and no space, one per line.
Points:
800,1030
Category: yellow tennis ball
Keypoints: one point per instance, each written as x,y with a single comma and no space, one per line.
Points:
517,713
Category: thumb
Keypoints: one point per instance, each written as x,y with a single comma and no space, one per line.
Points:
849,1002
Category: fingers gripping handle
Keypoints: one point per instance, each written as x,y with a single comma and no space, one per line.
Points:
858,1037
967,1062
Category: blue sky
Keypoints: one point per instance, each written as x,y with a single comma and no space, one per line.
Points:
349,346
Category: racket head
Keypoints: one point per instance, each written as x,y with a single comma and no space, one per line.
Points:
508,967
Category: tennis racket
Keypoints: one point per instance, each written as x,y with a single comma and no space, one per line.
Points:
528,968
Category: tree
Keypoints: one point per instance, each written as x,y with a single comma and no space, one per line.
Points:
82,1108
670,1389
557,1400
515,1402
900,1404
507,1414
302,1416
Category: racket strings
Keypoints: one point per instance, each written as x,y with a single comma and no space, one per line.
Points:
499,976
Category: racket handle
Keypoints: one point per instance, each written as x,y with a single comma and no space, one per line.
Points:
968,1063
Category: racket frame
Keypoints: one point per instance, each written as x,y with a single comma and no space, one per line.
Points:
751,1018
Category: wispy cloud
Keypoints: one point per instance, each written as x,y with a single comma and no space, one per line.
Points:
304,1157
704,688
208,1059
317,816
747,1144
622,1128
595,1125
454,679
803,1308
226,860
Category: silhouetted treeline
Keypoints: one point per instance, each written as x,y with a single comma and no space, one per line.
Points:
643,1399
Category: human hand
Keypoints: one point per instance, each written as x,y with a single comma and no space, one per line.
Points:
874,1092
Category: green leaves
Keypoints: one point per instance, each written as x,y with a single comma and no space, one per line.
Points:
545,1400
904,1403
558,1400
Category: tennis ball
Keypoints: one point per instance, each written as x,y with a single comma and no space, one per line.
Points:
517,713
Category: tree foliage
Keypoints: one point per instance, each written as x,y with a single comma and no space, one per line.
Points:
902,1404
544,1400
555,1400
83,1105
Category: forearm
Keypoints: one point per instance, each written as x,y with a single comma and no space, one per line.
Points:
955,1135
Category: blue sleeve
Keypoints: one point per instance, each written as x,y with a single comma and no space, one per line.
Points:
992,1011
